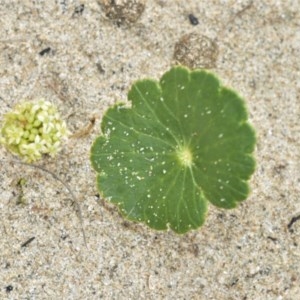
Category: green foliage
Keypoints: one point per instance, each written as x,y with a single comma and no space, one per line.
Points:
184,142
32,129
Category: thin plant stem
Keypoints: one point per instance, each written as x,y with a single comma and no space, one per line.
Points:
78,209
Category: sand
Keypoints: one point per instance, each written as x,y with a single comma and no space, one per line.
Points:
72,54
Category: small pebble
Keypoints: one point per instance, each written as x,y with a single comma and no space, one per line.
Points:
78,10
9,288
44,51
194,21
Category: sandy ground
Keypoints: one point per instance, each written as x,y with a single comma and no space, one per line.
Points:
91,61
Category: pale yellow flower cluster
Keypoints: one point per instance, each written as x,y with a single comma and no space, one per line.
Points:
32,129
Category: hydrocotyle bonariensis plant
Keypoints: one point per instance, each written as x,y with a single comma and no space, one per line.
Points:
184,142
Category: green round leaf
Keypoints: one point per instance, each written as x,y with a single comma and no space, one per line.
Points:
185,141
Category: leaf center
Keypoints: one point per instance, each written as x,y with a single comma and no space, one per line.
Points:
185,156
